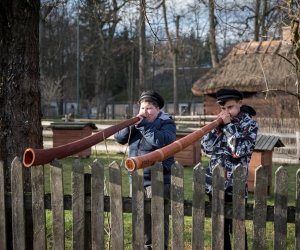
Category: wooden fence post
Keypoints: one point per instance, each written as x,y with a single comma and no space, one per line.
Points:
2,208
238,208
116,207
97,205
260,208
17,201
78,206
177,206
87,214
57,205
297,211
217,216
157,206
198,215
38,208
138,221
280,208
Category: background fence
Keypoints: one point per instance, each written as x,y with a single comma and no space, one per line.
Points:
89,203
288,130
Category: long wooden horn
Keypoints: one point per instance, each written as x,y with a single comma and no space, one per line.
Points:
161,154
33,157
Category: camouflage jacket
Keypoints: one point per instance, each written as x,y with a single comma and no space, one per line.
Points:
230,145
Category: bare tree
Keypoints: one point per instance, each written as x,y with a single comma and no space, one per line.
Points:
293,14
260,19
264,29
256,20
142,46
212,34
51,89
293,17
53,65
174,48
100,20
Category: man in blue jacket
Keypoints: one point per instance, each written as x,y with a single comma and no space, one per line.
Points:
154,130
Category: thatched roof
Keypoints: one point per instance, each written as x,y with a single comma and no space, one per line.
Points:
249,67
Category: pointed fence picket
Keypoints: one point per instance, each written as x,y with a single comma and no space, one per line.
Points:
89,204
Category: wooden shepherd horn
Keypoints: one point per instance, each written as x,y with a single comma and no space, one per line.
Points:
161,154
33,157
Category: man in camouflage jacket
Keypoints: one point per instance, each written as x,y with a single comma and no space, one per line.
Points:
230,144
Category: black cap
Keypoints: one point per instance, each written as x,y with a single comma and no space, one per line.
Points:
152,96
228,94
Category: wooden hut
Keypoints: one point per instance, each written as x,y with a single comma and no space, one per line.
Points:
254,68
67,132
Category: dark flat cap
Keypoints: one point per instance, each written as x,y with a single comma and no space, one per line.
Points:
228,94
152,96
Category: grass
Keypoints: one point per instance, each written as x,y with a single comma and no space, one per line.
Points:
106,159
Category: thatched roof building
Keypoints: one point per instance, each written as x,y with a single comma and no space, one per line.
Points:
253,68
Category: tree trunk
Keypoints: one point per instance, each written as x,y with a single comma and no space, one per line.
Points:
20,109
175,51
264,31
256,20
142,46
212,35
295,24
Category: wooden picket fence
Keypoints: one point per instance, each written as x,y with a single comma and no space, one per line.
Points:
89,204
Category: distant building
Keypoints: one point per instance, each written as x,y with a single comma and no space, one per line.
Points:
254,67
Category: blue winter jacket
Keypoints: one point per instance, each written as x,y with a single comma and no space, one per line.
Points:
146,137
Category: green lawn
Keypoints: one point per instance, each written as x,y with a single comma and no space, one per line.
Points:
106,159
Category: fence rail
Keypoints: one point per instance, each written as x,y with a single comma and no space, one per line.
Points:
88,204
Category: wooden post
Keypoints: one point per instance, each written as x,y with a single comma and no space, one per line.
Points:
297,211
280,208
157,206
217,215
2,208
38,208
260,208
97,205
17,197
57,204
87,214
198,209
298,143
238,205
78,205
116,207
138,221
177,206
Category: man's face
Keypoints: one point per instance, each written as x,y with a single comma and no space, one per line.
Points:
232,107
148,110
